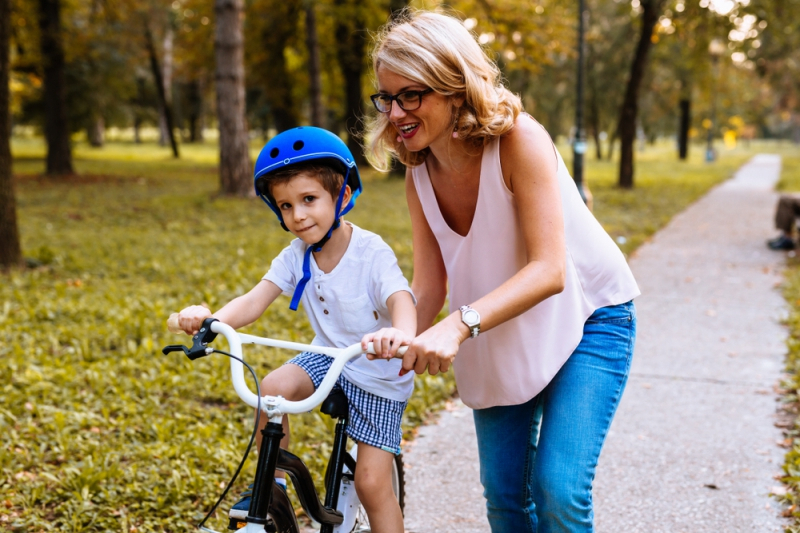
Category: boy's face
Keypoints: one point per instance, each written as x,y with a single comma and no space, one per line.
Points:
308,210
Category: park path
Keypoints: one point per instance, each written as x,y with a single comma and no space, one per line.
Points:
693,447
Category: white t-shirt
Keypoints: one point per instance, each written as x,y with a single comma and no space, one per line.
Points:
348,302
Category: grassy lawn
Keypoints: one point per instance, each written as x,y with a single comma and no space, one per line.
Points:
98,430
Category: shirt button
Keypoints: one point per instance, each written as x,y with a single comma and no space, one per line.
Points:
325,311
321,299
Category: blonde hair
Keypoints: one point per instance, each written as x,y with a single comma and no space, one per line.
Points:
437,51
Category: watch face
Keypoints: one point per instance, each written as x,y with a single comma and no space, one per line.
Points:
471,316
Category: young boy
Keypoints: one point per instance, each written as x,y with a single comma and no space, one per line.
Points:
352,290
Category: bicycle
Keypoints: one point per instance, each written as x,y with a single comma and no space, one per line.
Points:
270,508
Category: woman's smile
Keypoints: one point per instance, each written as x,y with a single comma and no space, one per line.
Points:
407,130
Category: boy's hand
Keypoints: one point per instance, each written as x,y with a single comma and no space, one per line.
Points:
191,318
386,342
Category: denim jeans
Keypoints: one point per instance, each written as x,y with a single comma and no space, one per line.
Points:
538,459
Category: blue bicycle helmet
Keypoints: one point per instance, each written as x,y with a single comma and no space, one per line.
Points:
302,145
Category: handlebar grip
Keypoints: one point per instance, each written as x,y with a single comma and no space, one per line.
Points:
172,324
399,355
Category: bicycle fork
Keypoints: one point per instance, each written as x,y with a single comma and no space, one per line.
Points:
270,509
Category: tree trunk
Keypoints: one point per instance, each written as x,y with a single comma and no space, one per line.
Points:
162,96
138,106
10,251
95,132
351,41
59,153
683,132
629,110
284,16
314,73
166,72
594,123
195,100
236,177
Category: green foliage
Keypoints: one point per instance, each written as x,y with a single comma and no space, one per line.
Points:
98,430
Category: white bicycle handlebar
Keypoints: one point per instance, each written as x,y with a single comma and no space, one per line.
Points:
275,406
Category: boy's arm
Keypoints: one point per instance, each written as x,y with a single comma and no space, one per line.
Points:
239,312
403,313
387,341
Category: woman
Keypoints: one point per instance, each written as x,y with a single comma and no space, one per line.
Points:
542,323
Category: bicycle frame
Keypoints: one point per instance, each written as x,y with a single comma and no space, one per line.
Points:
270,509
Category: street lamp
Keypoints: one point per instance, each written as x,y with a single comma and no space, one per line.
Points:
579,142
715,49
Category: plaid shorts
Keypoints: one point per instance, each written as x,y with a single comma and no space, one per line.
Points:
373,420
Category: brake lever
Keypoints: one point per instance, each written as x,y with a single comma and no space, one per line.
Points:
200,342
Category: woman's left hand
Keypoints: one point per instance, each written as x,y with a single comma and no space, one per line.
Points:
436,347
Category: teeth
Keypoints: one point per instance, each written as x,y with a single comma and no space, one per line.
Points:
407,127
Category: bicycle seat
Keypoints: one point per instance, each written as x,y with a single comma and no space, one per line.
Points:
335,405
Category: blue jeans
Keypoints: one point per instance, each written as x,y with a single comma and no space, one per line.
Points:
538,459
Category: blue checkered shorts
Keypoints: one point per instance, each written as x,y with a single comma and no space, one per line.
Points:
373,420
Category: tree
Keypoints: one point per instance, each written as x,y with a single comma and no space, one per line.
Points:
609,49
270,39
651,9
59,154
234,158
314,73
351,46
10,251
161,90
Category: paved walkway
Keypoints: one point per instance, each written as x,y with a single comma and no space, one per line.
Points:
693,446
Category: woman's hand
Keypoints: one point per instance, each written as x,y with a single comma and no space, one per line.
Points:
191,318
436,347
386,342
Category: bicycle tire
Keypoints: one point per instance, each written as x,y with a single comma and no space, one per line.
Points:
399,487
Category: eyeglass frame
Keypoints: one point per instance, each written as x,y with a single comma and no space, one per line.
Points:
396,98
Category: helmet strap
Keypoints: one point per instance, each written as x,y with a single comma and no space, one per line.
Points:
316,247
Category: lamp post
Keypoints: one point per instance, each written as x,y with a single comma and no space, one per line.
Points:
715,49
579,142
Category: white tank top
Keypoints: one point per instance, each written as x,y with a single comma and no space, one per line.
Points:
513,362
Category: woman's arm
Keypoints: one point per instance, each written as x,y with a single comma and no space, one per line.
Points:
430,277
239,312
530,172
527,156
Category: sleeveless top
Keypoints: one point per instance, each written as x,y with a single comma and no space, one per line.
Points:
513,362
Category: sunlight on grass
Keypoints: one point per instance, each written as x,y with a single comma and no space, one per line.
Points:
98,430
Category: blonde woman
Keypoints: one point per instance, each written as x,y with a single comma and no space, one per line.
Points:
542,324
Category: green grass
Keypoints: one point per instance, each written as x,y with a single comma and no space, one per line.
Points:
98,430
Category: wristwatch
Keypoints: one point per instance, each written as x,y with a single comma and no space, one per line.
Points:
472,319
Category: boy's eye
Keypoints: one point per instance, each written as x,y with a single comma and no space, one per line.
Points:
285,206
309,198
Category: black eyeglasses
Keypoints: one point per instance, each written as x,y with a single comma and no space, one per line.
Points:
407,100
